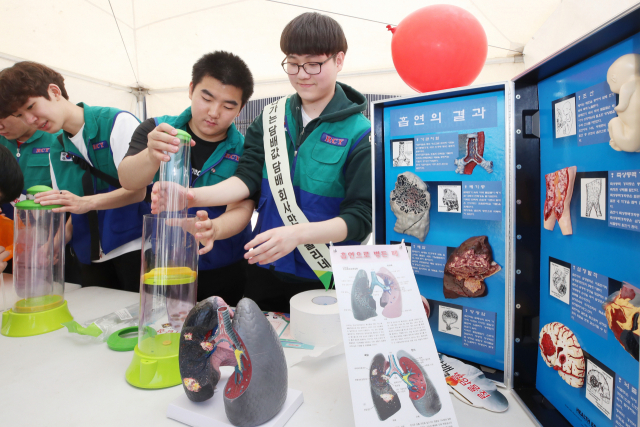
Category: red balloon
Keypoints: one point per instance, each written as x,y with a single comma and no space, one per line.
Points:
439,47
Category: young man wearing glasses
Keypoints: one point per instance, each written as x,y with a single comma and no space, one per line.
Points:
322,193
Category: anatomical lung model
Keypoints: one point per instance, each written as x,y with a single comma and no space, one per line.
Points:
560,350
558,198
363,305
257,389
467,267
410,202
624,79
593,197
422,393
473,157
622,309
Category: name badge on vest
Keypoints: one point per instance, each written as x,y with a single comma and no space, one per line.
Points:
99,145
65,157
233,157
332,140
40,150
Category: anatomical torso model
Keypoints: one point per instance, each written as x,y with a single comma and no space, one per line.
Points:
624,79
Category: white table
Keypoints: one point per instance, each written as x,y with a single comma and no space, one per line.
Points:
56,379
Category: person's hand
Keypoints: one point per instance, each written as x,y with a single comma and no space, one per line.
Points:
168,196
272,245
206,231
4,254
162,140
71,202
201,227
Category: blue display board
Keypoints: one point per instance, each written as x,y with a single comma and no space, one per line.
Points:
427,138
576,106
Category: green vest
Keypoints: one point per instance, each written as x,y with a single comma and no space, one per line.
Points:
98,122
321,158
115,226
318,179
222,163
34,157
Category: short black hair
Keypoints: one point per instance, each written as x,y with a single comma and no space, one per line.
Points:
11,178
313,34
227,68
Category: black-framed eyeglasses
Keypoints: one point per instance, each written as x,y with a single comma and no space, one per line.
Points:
310,68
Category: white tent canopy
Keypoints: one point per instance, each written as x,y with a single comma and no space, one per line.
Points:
163,38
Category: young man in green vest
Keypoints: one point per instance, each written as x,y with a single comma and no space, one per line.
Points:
30,148
317,163
221,84
106,220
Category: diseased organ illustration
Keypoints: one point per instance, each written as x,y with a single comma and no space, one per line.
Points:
363,304
449,318
473,157
622,309
402,159
593,197
422,392
410,202
558,198
450,200
257,389
598,385
560,280
623,77
564,119
561,351
467,267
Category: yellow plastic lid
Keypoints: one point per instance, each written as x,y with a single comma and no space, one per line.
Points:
170,276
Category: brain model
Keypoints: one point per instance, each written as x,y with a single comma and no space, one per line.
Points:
560,350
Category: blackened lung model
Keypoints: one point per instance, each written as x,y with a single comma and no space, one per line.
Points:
257,389
422,393
593,197
473,157
363,305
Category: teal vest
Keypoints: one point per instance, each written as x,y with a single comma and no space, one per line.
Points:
116,226
318,179
219,166
33,161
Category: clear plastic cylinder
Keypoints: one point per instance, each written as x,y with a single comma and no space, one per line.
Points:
38,258
169,282
175,175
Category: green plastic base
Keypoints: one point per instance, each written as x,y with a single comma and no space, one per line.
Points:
29,324
158,370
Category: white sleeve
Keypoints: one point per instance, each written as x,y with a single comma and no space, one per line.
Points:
54,184
121,134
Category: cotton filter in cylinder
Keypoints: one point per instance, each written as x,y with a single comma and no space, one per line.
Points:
315,319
